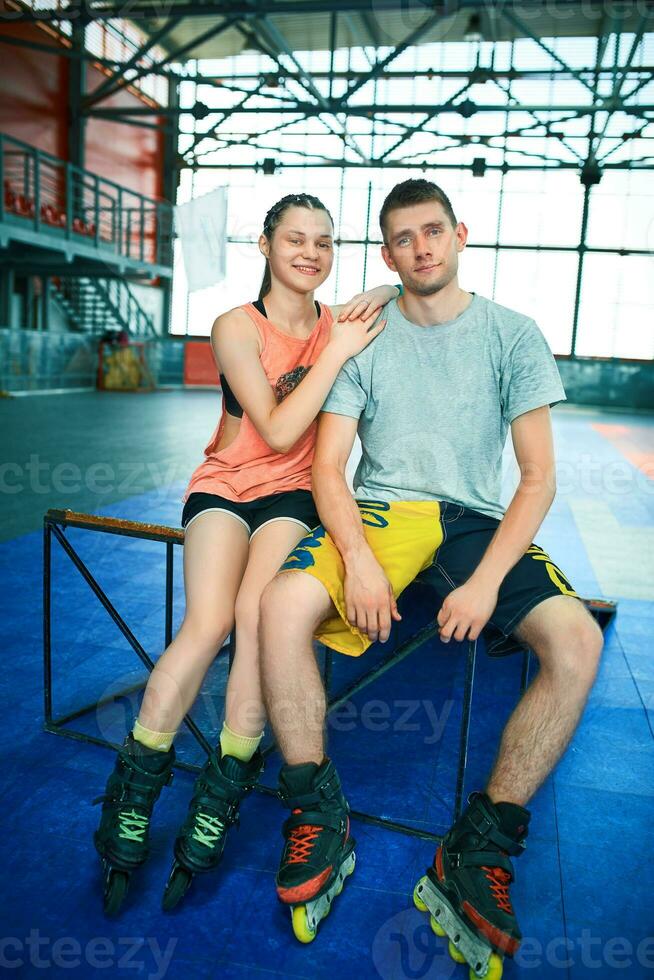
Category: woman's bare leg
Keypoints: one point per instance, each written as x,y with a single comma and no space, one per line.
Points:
215,558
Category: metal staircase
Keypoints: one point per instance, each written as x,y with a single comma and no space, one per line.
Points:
98,305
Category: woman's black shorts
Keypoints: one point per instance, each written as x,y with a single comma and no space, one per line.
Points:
291,505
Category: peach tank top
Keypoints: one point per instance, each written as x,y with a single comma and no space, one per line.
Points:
248,468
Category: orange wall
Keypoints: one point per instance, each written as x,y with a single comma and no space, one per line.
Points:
34,96
34,108
128,155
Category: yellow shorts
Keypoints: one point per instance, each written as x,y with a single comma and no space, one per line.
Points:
404,536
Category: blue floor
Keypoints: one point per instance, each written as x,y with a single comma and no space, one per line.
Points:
584,885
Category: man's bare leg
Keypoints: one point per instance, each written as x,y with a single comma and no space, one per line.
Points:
292,606
319,851
568,643
469,884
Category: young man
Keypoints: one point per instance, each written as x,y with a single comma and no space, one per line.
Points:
432,400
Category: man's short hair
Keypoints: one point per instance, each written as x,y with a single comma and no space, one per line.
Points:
414,192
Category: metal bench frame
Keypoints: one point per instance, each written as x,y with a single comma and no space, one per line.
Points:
55,524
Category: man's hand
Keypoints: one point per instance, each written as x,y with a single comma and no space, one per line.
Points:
369,601
466,611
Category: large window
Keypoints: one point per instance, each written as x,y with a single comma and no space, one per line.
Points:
525,225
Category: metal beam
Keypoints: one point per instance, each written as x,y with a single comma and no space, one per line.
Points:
437,165
349,20
76,88
372,109
118,81
380,67
490,74
198,138
371,27
70,54
614,102
277,38
146,70
333,36
621,142
582,249
526,32
515,104
420,125
243,137
136,10
283,47
171,175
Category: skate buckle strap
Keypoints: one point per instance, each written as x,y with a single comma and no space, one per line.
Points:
485,827
481,859
300,818
480,822
330,786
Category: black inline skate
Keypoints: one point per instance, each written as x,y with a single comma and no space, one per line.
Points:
218,791
319,851
121,840
466,891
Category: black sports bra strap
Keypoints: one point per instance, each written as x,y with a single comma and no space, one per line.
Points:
258,305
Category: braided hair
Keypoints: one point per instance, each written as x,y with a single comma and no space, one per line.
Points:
273,218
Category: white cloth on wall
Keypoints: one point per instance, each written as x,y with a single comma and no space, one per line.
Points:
202,230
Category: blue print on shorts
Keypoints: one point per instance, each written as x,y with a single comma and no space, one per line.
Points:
368,507
302,558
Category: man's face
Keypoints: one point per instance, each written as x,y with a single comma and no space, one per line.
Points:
423,247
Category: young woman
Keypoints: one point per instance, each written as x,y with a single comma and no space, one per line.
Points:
247,506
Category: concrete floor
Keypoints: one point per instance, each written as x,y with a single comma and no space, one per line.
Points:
85,451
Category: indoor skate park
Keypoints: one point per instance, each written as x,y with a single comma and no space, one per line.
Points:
140,150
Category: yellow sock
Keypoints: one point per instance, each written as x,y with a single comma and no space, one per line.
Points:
240,747
160,741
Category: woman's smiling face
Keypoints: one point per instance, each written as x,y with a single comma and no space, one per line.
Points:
301,252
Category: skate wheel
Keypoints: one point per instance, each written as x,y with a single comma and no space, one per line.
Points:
417,901
436,926
455,953
115,890
301,928
178,885
494,971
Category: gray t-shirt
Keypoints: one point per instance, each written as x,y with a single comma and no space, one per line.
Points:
435,403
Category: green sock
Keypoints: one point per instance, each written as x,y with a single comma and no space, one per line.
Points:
159,741
240,747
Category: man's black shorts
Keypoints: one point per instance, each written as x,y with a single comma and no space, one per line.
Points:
466,536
